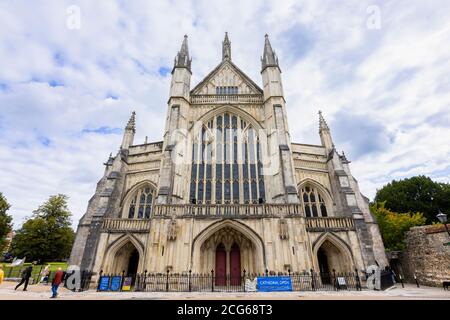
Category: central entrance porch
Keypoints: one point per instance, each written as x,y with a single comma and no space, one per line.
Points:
228,248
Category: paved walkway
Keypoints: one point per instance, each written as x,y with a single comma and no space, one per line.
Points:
43,292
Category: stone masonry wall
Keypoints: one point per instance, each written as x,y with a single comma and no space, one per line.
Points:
426,256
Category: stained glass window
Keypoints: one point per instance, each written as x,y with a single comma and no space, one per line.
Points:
232,170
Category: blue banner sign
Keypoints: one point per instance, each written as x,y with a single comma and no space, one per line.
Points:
266,284
104,283
116,282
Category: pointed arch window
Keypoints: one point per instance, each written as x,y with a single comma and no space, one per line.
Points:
227,163
141,203
313,202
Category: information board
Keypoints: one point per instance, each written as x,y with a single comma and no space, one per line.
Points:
116,282
104,283
281,283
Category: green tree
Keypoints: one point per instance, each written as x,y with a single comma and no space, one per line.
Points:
5,222
47,236
393,225
416,194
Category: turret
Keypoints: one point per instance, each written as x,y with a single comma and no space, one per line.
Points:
226,48
128,135
274,108
181,72
271,72
325,134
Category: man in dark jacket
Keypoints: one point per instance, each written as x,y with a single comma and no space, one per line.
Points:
57,280
26,275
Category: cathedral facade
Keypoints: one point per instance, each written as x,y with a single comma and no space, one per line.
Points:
226,189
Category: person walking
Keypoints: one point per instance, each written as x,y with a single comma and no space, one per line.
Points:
45,273
57,280
2,273
26,275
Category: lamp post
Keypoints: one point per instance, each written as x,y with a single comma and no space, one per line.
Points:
443,219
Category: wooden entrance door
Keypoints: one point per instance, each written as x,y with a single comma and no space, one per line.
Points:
235,265
221,265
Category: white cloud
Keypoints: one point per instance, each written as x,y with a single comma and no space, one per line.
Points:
55,82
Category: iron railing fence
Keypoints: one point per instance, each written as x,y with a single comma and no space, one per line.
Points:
209,282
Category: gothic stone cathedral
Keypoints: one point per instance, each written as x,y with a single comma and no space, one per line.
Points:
226,189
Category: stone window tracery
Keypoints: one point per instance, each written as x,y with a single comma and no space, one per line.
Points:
227,162
141,204
313,202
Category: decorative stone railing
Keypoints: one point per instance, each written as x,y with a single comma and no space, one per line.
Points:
330,223
227,210
233,98
131,225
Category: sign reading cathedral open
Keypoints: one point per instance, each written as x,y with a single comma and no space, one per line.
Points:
244,197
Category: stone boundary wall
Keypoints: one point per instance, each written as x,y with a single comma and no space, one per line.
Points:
426,256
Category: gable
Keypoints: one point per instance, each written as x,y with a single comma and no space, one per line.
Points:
226,74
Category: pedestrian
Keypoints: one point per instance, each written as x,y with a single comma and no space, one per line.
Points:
26,275
45,273
57,280
2,273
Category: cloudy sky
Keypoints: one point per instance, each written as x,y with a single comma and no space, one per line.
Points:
379,70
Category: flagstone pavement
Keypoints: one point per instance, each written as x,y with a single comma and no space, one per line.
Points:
43,292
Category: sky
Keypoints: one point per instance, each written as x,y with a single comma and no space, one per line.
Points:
71,73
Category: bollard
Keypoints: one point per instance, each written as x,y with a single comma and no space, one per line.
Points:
401,280
417,281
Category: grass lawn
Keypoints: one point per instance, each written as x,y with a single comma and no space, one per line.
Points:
15,272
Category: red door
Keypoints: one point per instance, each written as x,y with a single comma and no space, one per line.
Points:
221,265
235,265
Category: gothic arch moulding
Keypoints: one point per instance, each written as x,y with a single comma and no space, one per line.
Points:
125,203
246,231
233,110
344,249
114,247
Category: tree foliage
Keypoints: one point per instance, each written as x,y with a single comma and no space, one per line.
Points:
416,194
5,221
393,225
47,235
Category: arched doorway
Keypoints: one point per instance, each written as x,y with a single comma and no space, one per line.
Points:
228,232
126,260
331,257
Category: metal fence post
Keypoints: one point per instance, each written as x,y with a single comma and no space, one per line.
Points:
244,280
212,280
336,287
121,280
144,286
358,281
313,285
167,280
98,282
189,281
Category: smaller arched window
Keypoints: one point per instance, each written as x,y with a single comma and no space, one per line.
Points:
140,206
313,202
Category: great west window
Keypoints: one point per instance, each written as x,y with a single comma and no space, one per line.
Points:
226,163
